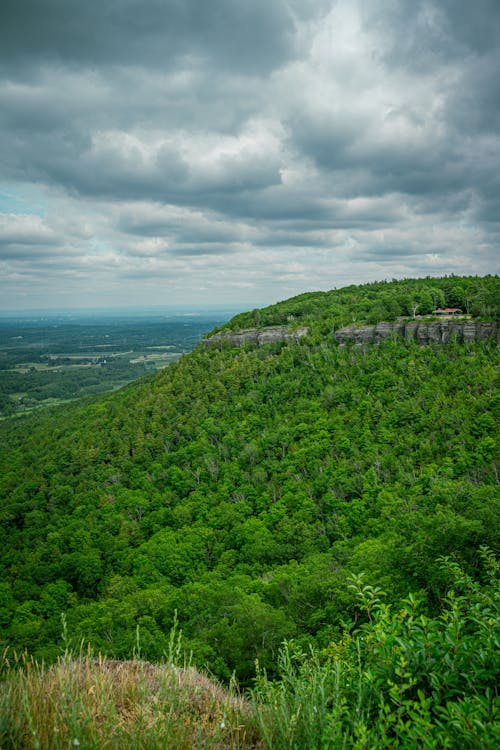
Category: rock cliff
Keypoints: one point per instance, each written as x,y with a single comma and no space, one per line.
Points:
255,336
425,332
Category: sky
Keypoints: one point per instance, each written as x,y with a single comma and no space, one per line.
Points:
239,152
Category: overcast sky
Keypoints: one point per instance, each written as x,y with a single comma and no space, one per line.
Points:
159,152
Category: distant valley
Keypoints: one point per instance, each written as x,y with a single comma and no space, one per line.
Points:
47,359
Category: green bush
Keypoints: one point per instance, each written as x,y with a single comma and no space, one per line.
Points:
402,679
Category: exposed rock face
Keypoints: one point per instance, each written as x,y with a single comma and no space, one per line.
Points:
433,332
424,332
255,336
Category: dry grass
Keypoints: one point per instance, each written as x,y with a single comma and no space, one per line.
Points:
101,703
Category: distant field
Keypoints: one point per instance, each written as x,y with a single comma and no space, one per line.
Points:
49,360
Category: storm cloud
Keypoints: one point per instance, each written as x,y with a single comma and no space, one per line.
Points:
179,151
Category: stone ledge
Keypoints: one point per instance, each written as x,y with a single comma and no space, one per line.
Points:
438,332
260,336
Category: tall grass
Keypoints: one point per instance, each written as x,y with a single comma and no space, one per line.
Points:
95,703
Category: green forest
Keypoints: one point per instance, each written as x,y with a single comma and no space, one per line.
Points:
312,516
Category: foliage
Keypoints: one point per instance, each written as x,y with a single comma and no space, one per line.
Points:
402,679
239,486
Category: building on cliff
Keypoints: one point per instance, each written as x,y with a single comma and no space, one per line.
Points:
447,311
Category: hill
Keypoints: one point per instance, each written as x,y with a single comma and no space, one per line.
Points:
243,487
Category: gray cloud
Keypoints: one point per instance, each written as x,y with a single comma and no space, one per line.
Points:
27,238
156,32
245,151
420,35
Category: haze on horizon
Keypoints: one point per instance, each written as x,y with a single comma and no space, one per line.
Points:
238,153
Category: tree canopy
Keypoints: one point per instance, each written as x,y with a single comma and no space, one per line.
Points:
241,488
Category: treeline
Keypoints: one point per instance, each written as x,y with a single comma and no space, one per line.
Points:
243,488
373,302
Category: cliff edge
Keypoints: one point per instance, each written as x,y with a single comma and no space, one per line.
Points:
425,332
267,335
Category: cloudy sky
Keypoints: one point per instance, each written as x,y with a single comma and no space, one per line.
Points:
159,152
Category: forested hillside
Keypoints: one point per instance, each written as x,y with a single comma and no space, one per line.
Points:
242,488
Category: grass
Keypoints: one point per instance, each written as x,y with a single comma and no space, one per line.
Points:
101,703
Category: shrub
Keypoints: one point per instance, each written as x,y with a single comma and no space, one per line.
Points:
402,679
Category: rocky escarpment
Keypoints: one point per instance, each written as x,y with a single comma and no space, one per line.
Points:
266,335
425,332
